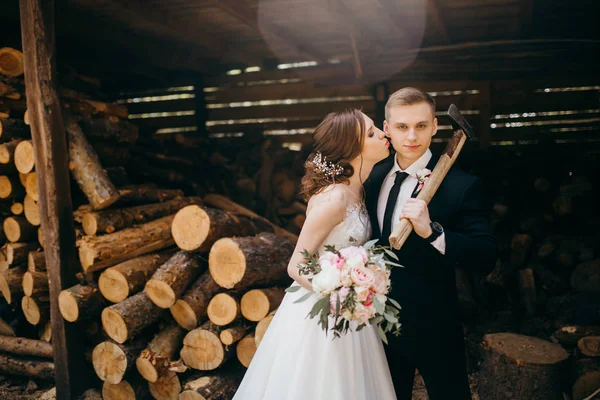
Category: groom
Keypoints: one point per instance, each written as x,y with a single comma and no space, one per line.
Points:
452,231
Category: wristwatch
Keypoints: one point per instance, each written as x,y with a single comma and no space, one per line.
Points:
436,231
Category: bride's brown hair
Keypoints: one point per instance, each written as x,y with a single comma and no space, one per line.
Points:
339,139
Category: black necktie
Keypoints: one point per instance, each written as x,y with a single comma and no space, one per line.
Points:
390,206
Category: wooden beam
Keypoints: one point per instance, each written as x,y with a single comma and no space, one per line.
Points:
201,110
56,212
242,13
434,11
526,18
358,70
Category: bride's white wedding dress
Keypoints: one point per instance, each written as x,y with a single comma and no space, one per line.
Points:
296,361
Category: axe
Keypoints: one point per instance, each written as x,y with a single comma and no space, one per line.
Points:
462,132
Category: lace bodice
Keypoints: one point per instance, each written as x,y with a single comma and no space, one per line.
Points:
355,225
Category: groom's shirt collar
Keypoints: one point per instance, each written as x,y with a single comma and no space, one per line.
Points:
414,167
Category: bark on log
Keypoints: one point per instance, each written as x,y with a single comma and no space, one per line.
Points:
32,211
7,151
569,336
111,128
18,229
196,228
190,310
586,277
251,261
173,277
145,194
11,128
10,187
11,365
11,283
35,284
25,347
109,221
587,373
3,262
203,350
128,318
245,349
36,261
167,387
90,394
17,208
86,168
258,303
154,361
24,157
535,363
11,62
527,288
45,332
104,251
112,360
81,302
262,326
218,386
129,277
235,333
133,388
36,311
16,253
224,308
589,346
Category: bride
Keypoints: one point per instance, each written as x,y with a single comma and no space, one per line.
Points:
296,360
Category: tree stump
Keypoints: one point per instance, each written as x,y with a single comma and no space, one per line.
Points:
521,367
587,373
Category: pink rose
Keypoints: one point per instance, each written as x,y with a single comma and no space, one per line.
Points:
362,293
362,276
339,262
381,283
362,313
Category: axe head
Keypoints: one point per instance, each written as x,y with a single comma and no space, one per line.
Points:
459,122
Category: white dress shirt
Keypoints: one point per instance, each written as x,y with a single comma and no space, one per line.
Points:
406,190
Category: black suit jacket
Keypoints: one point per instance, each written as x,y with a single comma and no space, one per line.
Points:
426,286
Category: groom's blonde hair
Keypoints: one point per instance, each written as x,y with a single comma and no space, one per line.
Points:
408,96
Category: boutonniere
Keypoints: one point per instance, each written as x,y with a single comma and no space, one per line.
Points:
422,175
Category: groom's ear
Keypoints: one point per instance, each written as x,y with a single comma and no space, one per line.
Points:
435,126
386,127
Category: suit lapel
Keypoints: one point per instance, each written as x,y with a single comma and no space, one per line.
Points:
373,186
430,166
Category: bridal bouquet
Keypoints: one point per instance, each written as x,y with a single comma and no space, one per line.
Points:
352,285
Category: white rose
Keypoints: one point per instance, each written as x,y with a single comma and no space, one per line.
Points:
326,281
362,293
356,261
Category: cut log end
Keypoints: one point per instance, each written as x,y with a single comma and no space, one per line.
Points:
524,349
31,310
120,391
227,263
166,387
90,224
16,208
146,369
24,157
256,304
184,315
27,284
110,362
6,187
114,325
113,286
67,305
202,350
223,309
245,350
11,62
160,293
589,346
190,395
190,227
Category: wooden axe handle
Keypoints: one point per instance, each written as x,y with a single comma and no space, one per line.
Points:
404,227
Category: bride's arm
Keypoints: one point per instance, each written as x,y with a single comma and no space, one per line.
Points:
326,212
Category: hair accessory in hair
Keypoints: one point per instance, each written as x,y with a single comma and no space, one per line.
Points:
329,169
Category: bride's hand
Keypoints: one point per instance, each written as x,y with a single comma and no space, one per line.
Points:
417,212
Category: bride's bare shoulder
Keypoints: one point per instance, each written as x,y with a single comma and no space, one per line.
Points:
333,199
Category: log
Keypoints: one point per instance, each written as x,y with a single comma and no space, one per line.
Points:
196,228
25,347
45,332
145,194
535,363
32,211
550,281
90,394
203,350
258,303
87,170
6,329
262,326
154,361
23,178
586,276
109,221
190,310
16,253
128,318
589,346
24,157
235,333
79,101
11,62
569,336
3,263
527,288
112,360
224,203
520,247
11,283
34,368
245,349
587,372
40,237
17,208
7,151
104,251
36,261
18,229
221,385
35,284
224,308
173,277
129,277
31,186
134,388
36,311
11,128
167,387
118,176
251,261
110,128
10,187
80,302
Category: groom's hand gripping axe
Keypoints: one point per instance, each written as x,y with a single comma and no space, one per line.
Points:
462,132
